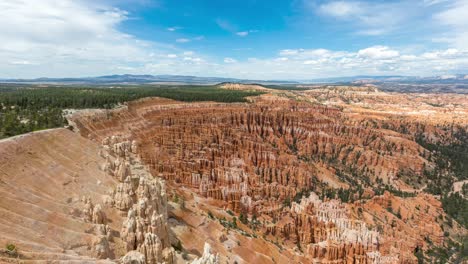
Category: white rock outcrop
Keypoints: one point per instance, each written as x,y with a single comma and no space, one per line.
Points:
208,257
142,198
133,257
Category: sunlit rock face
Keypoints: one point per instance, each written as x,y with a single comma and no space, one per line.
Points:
86,202
252,158
142,198
244,182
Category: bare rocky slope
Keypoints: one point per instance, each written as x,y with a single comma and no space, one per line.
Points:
44,177
67,199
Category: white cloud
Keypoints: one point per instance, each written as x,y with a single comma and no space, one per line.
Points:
408,57
226,25
434,2
186,40
370,18
64,38
246,33
308,62
173,28
232,28
193,59
442,54
341,8
302,54
372,32
315,63
288,52
125,68
68,38
229,60
455,20
182,40
378,52
22,62
443,21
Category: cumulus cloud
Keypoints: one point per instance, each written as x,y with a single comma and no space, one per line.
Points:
442,54
446,19
193,59
315,63
311,53
378,52
59,38
64,38
374,60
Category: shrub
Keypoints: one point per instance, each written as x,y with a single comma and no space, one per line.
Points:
182,203
11,249
178,246
210,215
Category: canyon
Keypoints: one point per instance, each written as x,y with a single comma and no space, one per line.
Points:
320,175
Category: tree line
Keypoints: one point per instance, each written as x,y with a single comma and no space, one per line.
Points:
29,108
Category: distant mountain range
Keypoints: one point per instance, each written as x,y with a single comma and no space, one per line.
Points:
458,78
182,79
143,79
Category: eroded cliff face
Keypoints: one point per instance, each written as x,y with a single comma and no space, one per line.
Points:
292,177
269,160
65,198
282,143
44,176
142,198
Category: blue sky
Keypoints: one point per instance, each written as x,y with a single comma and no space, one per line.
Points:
257,39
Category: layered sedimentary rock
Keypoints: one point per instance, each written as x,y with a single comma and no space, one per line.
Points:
327,232
51,187
256,158
142,198
62,201
276,161
64,198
